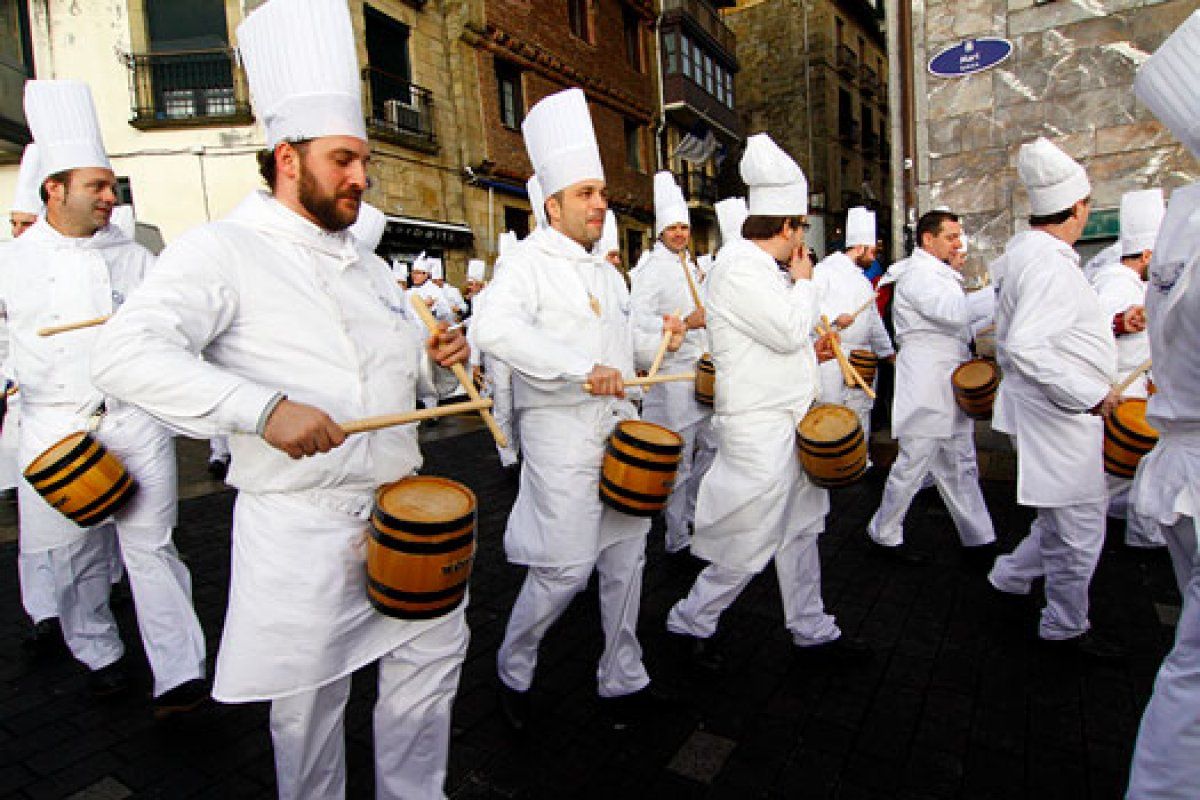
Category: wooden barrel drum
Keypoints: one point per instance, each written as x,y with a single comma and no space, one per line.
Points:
706,380
865,362
975,383
79,477
832,448
1127,437
639,467
421,547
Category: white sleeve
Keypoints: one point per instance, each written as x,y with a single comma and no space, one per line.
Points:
777,317
929,297
881,343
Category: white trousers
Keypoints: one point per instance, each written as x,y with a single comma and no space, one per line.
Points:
417,683
1140,530
1064,546
955,472
544,597
1166,758
798,568
36,577
699,449
218,448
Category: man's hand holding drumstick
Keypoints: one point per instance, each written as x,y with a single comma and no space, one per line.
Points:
604,380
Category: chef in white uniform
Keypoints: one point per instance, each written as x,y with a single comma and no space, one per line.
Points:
844,289
936,438
609,246
756,504
731,213
661,287
558,315
1121,286
453,297
1166,759
298,330
1056,351
72,265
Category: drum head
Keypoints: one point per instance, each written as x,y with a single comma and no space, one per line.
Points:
1132,414
651,433
974,373
828,423
425,498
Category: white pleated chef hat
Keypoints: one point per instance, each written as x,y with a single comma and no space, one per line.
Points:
561,142
420,263
731,213
122,219
1054,180
400,269
62,119
507,241
368,229
670,208
860,227
28,198
610,239
302,67
1142,214
476,270
434,267
777,185
537,201
1169,83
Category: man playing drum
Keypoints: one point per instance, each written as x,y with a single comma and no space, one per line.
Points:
297,329
72,265
558,315
755,503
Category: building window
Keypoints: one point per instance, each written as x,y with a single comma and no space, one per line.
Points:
839,30
633,146
633,40
124,192
845,113
512,104
687,52
517,221
579,16
16,65
395,106
670,45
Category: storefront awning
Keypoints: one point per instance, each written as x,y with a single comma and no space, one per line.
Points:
419,232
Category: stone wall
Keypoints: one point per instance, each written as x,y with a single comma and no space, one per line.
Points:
1070,78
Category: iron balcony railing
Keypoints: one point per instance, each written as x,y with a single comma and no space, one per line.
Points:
398,107
187,87
706,18
847,60
869,81
697,185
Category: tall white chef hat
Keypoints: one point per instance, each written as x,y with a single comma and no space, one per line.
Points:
506,242
400,269
561,141
302,66
123,220
1142,213
434,267
537,201
28,198
669,206
420,263
476,270
62,119
1055,181
860,227
1169,83
368,229
777,185
610,239
731,213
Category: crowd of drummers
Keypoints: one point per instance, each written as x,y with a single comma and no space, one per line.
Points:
726,393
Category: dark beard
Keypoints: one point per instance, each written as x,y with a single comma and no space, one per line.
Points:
324,208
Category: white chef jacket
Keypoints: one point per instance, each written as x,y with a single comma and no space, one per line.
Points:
454,298
276,304
932,332
660,287
760,324
1118,288
1056,350
441,306
844,289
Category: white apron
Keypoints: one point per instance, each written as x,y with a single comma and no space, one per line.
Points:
924,400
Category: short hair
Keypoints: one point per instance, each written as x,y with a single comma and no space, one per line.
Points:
931,222
62,176
266,161
760,227
1057,218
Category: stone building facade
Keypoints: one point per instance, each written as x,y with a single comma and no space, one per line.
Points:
1069,78
814,75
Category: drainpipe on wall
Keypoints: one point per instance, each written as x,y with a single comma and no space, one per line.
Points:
660,130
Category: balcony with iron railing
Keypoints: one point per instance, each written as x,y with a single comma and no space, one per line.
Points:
697,186
846,60
194,87
703,16
869,81
398,111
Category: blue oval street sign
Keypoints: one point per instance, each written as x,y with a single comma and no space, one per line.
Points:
970,56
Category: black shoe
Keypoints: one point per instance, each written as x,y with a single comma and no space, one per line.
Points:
980,558
185,697
108,681
514,706
897,554
218,468
1090,646
629,710
45,638
844,650
693,650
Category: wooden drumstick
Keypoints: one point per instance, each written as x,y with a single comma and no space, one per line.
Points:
662,347
687,271
865,305
390,420
841,357
73,326
651,380
464,379
1141,370
824,329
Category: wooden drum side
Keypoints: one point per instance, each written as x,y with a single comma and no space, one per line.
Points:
81,479
975,383
706,380
1127,437
831,445
638,472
